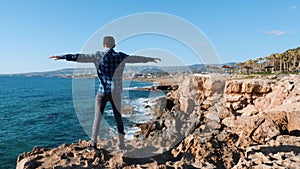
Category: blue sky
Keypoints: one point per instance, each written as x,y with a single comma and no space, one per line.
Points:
32,30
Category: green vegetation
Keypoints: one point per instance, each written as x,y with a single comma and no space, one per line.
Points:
285,63
250,77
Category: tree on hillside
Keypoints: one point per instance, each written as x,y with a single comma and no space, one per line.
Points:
273,58
293,54
286,61
250,64
260,62
297,53
241,66
280,57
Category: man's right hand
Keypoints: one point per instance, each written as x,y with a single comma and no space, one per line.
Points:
54,57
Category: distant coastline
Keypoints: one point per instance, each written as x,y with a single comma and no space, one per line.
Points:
129,70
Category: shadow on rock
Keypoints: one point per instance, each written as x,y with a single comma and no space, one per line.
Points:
276,149
148,155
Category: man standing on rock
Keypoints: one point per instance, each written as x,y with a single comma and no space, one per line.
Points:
110,66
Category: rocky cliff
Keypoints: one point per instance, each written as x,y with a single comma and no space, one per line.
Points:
206,122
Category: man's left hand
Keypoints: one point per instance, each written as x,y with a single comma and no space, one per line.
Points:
156,60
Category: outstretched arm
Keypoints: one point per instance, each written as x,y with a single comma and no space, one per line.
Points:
141,59
87,58
68,57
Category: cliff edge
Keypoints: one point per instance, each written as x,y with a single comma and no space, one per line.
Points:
208,121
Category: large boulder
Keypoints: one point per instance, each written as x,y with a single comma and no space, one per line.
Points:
293,119
233,87
241,93
266,131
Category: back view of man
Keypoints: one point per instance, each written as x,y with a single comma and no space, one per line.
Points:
110,66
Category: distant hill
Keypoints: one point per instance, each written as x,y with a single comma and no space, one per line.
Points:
62,72
128,69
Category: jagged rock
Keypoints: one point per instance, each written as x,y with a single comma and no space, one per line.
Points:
159,108
223,112
127,110
233,87
233,98
238,105
279,118
210,85
213,116
241,93
250,110
229,122
248,87
266,131
293,119
283,152
186,104
164,87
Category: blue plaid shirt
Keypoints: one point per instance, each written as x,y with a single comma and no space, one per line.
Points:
110,66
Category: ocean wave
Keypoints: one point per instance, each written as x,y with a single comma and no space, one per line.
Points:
130,88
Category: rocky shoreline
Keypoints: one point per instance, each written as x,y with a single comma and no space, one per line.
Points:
207,121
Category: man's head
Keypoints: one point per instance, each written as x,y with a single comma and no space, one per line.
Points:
109,42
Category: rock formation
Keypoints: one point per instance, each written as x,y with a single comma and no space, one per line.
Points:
206,122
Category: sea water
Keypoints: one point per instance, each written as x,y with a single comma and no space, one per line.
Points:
41,111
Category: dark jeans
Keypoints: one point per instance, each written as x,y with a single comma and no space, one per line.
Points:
100,103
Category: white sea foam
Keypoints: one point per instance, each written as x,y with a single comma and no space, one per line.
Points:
129,88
